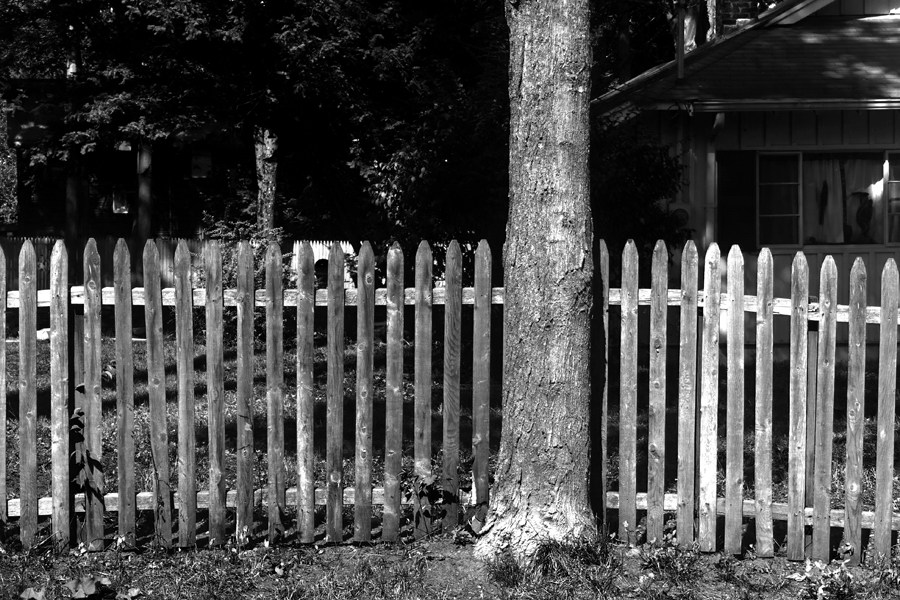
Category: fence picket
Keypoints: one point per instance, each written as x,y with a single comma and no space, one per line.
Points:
796,520
59,393
656,448
422,365
709,400
244,396
93,414
27,396
156,388
828,284
604,406
124,390
4,509
481,374
306,305
365,368
393,438
335,395
763,427
734,445
215,390
887,387
452,342
687,398
628,398
856,382
184,359
275,389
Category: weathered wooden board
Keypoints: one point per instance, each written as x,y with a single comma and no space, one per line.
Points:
628,397
184,363
797,395
656,427
856,383
365,368
763,425
709,403
393,438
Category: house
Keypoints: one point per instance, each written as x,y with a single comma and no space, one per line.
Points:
789,131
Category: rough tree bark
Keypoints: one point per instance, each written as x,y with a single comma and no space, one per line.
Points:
265,142
542,488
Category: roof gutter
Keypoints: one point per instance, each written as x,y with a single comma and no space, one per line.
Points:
782,104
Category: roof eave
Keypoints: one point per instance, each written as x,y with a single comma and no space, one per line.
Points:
781,104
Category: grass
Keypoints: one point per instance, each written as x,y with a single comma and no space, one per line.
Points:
438,568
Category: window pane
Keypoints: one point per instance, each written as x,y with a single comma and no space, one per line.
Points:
778,230
895,166
779,168
779,199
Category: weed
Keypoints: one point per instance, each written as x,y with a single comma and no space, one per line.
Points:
505,571
826,581
680,566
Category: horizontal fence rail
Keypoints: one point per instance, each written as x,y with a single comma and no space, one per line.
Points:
80,498
711,386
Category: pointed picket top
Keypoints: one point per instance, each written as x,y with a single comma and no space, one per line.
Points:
150,254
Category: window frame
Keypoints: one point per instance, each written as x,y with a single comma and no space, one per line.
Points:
798,215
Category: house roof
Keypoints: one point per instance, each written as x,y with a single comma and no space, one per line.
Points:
784,59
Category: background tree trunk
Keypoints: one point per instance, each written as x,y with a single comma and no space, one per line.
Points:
265,142
541,492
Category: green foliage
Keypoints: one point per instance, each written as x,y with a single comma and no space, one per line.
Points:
633,178
680,566
8,174
821,581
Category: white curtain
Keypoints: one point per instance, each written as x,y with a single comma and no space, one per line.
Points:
842,200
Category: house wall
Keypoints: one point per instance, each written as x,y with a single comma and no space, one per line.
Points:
697,138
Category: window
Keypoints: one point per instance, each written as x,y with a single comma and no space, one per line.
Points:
826,198
778,199
893,198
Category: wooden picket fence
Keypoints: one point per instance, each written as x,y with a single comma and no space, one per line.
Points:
94,501
696,503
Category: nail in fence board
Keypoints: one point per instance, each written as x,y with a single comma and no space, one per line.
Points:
422,377
124,390
734,443
245,453
27,397
481,373
687,398
93,416
365,369
856,394
184,360
393,439
656,449
334,392
763,441
797,428
59,393
628,399
215,391
452,342
306,303
887,388
275,389
156,387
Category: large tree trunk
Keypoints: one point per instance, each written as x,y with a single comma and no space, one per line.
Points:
542,488
266,143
